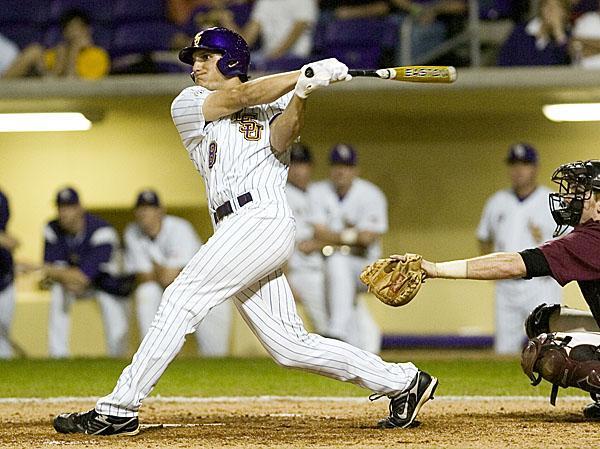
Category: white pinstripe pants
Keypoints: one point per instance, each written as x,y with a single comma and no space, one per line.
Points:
242,261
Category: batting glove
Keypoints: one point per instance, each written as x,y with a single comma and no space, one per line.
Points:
338,71
319,74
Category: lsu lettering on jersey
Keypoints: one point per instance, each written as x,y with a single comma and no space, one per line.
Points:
233,154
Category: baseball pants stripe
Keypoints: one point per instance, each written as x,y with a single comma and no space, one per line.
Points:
244,255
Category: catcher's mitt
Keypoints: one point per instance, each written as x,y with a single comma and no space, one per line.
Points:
394,282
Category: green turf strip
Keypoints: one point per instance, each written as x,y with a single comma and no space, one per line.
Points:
250,377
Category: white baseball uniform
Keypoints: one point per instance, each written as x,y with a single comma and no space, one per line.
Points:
242,261
7,310
508,222
7,286
306,271
364,207
173,247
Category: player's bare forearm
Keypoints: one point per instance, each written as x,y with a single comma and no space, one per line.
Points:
71,277
267,89
365,238
263,90
326,235
141,278
310,246
349,237
286,128
165,275
489,267
496,266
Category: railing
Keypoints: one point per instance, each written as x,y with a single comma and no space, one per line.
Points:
471,36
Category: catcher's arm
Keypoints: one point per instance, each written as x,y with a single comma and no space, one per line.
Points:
489,267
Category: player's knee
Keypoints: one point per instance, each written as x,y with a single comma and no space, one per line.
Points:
287,361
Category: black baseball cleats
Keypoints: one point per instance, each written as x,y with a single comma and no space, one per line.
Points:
405,406
92,423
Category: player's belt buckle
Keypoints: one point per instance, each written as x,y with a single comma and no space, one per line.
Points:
226,208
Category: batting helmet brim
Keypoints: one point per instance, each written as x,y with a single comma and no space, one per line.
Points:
186,55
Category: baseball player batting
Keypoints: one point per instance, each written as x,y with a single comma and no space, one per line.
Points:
238,133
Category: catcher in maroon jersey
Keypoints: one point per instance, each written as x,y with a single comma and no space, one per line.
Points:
556,351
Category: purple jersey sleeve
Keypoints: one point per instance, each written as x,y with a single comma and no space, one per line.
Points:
574,257
54,248
101,239
92,259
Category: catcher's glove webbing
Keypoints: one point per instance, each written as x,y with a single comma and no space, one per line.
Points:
394,282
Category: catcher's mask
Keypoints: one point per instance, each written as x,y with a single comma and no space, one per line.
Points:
576,182
236,55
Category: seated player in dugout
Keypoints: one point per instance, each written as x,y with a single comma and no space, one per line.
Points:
564,347
81,261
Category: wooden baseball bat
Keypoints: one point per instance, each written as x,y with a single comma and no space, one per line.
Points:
412,73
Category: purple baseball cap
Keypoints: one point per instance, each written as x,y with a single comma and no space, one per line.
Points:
522,152
67,197
343,154
147,198
300,153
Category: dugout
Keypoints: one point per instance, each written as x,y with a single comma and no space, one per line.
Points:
437,152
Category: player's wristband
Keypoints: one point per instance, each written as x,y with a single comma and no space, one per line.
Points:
349,236
456,269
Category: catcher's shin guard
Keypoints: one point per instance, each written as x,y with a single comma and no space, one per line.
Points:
565,360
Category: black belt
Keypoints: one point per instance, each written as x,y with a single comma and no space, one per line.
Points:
225,209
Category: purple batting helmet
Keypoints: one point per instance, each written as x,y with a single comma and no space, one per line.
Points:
233,47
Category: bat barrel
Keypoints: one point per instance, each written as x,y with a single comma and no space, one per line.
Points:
412,74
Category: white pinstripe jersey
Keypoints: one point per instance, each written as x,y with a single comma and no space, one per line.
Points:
173,247
302,203
233,153
364,207
507,221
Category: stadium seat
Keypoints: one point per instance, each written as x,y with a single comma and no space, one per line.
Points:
381,32
142,37
131,11
102,36
358,57
494,9
98,11
241,12
21,33
24,11
361,43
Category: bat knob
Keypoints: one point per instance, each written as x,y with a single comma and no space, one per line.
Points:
309,72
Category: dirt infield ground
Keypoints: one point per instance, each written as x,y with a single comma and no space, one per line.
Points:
446,423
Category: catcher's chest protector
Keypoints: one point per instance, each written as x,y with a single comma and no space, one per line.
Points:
564,359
